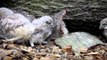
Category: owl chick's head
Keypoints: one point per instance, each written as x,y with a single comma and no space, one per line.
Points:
46,19
103,24
43,21
60,27
4,12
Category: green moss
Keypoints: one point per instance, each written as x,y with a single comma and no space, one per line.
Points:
76,7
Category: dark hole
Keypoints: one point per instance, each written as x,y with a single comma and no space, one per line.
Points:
89,26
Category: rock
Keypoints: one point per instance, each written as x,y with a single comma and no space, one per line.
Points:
78,41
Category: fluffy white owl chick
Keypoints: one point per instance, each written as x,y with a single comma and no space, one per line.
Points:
103,25
43,29
59,25
15,24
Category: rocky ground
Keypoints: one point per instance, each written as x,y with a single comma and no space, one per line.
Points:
51,51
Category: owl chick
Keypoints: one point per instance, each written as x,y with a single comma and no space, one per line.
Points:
43,29
59,28
15,24
103,25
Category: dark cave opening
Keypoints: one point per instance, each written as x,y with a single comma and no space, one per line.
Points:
91,27
80,25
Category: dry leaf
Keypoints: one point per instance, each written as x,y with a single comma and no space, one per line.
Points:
67,49
88,57
4,53
47,58
35,58
83,50
56,55
93,53
11,46
55,49
24,58
27,49
41,54
8,58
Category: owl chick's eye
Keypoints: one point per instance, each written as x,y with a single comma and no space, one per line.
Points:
48,22
104,24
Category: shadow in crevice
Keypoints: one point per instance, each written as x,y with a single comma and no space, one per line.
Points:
89,26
